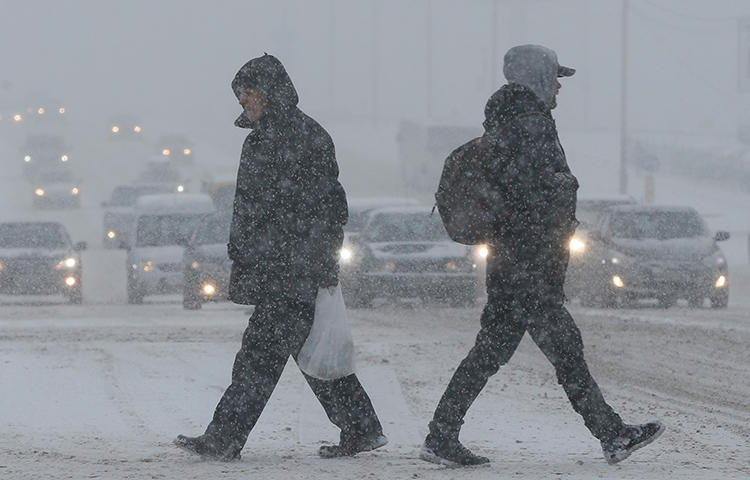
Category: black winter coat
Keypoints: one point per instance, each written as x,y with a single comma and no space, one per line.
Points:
289,207
528,165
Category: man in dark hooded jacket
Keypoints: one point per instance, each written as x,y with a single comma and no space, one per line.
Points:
287,229
525,162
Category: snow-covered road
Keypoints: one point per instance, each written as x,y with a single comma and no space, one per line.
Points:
99,391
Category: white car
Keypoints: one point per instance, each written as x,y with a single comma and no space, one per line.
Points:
163,225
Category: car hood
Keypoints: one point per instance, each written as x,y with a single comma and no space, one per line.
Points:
673,249
214,252
33,253
165,254
418,250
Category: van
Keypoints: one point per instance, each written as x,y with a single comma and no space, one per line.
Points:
162,225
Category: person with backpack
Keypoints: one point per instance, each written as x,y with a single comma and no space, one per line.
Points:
522,204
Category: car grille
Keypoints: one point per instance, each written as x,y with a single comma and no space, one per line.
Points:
170,267
426,266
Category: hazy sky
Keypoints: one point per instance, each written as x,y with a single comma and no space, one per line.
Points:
170,62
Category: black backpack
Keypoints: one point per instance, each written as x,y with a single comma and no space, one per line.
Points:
468,204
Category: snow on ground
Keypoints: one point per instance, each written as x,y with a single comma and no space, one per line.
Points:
99,391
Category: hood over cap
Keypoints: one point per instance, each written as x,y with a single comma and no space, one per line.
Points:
535,67
267,76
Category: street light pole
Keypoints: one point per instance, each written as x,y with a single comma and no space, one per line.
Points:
624,100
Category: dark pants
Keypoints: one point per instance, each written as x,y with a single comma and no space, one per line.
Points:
277,329
525,294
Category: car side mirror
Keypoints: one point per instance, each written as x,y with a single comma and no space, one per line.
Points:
721,236
80,246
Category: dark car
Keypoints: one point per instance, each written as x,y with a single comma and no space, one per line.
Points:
42,152
406,252
583,248
119,211
38,258
655,252
206,265
57,188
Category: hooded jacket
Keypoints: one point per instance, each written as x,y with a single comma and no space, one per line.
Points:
289,207
527,162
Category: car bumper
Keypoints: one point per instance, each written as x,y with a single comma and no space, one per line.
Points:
38,284
159,282
411,284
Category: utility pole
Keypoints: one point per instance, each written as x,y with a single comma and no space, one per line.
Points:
624,100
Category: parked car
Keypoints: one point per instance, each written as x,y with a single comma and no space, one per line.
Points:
119,211
163,225
57,188
658,252
205,263
38,258
406,252
589,211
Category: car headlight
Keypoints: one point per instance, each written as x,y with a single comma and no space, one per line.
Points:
68,262
1,265
111,234
208,289
74,191
346,255
147,266
64,158
180,188
137,129
115,129
617,258
577,245
39,192
721,281
482,251
27,158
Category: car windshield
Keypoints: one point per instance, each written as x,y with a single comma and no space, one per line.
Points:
161,230
213,230
33,235
126,196
657,225
389,227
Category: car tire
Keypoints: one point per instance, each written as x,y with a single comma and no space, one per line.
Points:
135,294
720,301
75,297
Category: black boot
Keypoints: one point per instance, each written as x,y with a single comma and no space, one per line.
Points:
449,451
630,439
208,448
351,445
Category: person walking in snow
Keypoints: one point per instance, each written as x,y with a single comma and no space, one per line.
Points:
526,269
287,229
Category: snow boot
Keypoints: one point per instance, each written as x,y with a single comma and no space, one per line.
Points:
207,448
449,452
630,439
352,445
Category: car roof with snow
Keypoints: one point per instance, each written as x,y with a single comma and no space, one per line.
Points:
653,208
359,204
174,203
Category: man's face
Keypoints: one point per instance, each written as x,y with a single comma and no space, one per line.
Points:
253,103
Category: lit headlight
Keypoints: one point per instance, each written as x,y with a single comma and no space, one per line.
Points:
148,266
71,281
187,151
39,192
576,245
617,281
1,265
208,289
40,111
451,267
17,117
180,188
74,191
482,251
165,152
137,129
346,255
27,158
721,281
115,129
69,262
64,158
111,234
61,110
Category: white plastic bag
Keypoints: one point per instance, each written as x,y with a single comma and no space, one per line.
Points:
328,352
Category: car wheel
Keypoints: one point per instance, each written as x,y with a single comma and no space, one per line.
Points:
720,301
135,295
75,297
